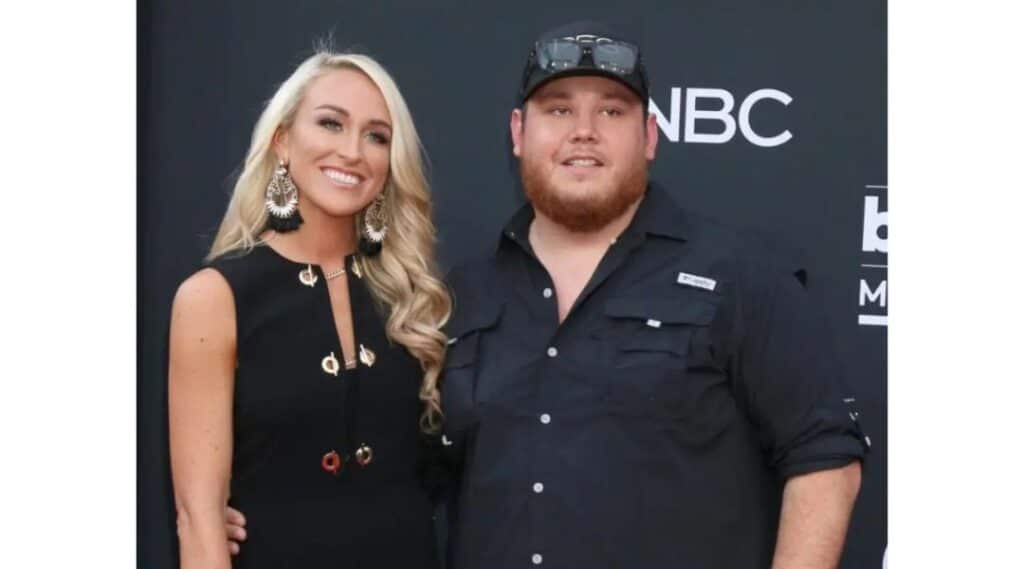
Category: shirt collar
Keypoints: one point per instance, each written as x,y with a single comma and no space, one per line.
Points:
658,214
519,225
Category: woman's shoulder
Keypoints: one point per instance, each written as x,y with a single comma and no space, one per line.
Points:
203,311
244,266
222,290
206,290
219,280
236,260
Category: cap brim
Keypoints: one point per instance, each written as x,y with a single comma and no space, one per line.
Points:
579,72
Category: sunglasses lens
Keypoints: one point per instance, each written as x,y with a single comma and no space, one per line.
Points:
615,57
558,54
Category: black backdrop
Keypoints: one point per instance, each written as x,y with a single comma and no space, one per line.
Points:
802,153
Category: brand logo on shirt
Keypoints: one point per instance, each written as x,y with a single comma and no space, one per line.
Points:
696,280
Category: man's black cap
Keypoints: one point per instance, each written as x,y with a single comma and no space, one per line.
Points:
534,76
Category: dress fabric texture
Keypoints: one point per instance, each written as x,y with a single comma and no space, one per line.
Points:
289,412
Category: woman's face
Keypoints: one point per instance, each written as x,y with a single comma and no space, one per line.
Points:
338,147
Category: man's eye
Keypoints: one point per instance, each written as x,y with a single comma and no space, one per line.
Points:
559,111
612,112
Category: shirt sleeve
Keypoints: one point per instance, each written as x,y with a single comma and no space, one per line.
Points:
788,377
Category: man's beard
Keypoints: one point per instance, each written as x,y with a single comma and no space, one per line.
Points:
582,214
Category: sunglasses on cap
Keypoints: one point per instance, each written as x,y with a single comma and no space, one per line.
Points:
559,54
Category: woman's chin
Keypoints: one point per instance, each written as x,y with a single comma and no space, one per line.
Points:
338,206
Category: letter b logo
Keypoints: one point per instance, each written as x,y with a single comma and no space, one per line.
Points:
875,222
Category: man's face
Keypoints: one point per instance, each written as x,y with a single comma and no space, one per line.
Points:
583,145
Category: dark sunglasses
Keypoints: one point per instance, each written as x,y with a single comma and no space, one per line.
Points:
567,53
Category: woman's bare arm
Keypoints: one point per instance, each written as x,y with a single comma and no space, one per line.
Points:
200,393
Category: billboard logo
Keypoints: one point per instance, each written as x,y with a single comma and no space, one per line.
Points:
874,285
722,113
874,223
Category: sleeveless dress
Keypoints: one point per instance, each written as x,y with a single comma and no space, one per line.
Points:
294,406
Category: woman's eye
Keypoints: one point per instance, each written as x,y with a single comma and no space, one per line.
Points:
330,124
379,138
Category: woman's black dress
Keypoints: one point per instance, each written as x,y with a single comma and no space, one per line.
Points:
290,411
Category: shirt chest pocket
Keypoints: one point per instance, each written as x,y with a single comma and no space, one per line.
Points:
458,379
648,345
654,331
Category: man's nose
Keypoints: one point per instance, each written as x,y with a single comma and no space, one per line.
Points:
583,128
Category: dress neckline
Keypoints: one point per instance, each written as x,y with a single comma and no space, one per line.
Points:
281,256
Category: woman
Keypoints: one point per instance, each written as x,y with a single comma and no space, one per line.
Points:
302,373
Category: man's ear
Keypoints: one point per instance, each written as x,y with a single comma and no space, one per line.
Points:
515,126
651,133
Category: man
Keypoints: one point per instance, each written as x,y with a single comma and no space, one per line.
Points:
628,384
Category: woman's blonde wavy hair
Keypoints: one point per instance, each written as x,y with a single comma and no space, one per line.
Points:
403,277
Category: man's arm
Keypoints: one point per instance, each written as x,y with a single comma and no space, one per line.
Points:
791,382
815,515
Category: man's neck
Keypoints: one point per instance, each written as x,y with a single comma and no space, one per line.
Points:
547,234
572,257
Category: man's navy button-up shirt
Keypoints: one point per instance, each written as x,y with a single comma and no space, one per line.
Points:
656,425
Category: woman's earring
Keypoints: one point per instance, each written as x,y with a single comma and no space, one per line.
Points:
282,201
375,227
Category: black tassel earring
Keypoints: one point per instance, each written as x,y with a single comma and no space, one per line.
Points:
375,227
282,201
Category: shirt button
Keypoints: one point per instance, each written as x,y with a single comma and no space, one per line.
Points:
537,559
545,418
552,352
547,293
538,487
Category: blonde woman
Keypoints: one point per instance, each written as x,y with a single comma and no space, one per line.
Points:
304,357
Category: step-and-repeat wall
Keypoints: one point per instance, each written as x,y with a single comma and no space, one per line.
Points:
772,116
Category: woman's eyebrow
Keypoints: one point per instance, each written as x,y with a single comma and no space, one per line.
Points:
343,112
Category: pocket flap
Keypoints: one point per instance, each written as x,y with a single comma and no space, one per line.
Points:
675,340
683,310
461,350
462,333
466,320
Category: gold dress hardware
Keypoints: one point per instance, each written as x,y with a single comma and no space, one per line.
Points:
364,455
367,356
330,364
355,268
307,276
